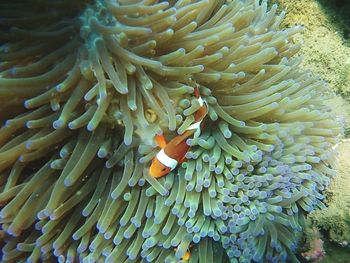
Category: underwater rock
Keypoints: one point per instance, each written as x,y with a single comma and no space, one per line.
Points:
335,219
324,49
315,251
327,52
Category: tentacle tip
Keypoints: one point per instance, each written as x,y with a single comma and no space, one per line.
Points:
81,248
87,97
26,104
92,247
101,154
242,74
56,253
172,127
132,107
38,243
28,146
122,222
227,134
108,164
53,216
90,127
72,125
58,124
75,237
29,124
127,141
59,87
188,177
148,30
102,96
13,232
85,213
45,213
114,195
8,123
68,182
63,153
141,182
132,257
124,90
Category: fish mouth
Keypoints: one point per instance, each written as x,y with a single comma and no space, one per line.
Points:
156,175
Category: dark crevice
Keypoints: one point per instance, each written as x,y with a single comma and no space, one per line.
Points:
340,3
339,13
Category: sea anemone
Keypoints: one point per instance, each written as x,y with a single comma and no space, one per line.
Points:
86,85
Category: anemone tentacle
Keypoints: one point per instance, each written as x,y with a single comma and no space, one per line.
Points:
86,85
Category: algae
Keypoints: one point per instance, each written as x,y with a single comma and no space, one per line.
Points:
335,254
323,49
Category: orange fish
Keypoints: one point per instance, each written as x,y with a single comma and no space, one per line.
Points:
173,153
186,257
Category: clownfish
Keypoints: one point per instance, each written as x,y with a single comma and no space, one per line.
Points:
173,152
186,257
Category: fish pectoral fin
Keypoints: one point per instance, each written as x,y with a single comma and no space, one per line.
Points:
160,139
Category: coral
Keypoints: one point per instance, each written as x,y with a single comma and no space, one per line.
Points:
86,85
315,250
323,50
335,219
327,53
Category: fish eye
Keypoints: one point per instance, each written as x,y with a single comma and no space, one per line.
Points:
163,169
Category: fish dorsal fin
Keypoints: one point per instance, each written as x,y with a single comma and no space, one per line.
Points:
160,139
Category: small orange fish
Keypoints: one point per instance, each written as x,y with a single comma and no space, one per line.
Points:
186,257
173,153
